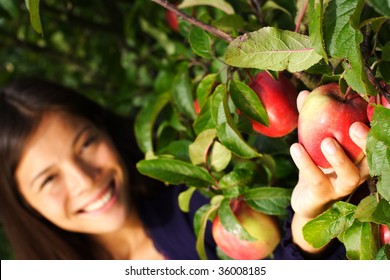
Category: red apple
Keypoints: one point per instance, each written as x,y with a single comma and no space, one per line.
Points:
327,112
263,228
384,234
380,99
197,106
279,100
172,20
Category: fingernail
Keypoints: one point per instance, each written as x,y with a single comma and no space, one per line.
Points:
359,130
329,146
296,150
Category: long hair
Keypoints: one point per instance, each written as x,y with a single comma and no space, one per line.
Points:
22,104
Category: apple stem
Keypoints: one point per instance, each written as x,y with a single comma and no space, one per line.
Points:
211,29
347,93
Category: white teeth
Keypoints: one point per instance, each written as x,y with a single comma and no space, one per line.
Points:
100,202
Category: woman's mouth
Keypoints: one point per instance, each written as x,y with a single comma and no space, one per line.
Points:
102,202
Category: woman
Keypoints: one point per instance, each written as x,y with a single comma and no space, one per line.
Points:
70,190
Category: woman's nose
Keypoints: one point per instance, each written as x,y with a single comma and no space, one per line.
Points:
81,176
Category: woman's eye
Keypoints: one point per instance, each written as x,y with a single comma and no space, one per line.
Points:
90,140
48,180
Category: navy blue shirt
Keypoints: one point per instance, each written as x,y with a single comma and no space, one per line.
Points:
172,230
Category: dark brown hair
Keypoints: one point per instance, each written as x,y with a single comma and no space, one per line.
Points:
22,104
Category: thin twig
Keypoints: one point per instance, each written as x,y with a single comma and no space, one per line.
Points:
211,29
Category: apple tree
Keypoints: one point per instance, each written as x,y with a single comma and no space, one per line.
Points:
194,122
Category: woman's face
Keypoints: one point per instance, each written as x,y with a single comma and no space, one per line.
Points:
71,174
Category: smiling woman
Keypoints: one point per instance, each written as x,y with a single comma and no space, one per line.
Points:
68,180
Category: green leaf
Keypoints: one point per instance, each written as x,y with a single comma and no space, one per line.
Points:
230,222
146,119
386,52
227,131
177,148
366,208
272,49
182,94
219,112
35,19
377,155
247,101
381,124
383,184
205,88
219,4
201,218
269,200
321,230
381,6
175,172
10,7
381,214
164,41
200,147
343,38
378,151
359,241
220,157
237,178
316,10
383,253
231,139
200,42
184,199
204,120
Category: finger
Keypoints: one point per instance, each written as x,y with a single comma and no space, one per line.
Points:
358,132
301,98
307,168
348,174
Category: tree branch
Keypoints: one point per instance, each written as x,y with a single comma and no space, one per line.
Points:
211,29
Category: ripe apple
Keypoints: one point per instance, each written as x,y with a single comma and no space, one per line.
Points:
384,234
262,227
172,20
327,112
376,100
279,100
197,106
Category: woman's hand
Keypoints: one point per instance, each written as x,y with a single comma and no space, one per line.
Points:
318,189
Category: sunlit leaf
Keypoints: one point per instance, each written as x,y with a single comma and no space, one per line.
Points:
35,18
184,199
200,147
175,172
321,230
272,49
359,241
